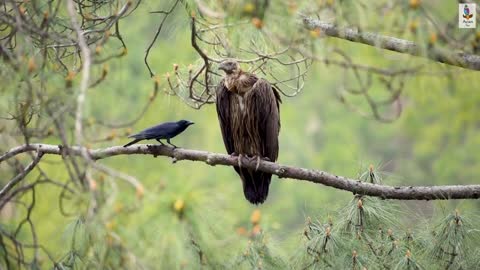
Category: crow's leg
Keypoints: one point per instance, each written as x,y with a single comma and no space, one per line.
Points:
161,143
174,146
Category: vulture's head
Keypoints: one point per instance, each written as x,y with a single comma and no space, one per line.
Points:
229,66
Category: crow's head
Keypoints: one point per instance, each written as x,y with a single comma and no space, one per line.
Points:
229,66
185,123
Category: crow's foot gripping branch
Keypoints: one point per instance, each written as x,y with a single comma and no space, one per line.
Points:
174,146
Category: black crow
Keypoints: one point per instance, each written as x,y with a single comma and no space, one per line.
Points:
166,131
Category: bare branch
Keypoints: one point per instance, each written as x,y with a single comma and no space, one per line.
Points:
159,29
85,71
22,175
283,171
459,59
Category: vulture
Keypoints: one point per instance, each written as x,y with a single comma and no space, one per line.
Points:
248,110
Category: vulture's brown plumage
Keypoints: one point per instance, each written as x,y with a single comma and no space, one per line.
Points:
248,110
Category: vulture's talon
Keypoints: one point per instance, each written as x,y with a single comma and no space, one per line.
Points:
258,163
258,160
240,156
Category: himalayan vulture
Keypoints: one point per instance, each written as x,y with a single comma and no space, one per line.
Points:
248,110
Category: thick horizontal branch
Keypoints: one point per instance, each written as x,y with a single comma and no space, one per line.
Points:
464,60
283,171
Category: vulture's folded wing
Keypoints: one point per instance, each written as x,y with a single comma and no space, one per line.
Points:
262,104
223,113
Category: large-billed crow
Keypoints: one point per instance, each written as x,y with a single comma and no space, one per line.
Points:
166,131
248,110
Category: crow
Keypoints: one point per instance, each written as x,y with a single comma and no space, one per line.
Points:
166,131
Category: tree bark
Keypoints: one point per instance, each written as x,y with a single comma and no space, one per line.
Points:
459,59
282,171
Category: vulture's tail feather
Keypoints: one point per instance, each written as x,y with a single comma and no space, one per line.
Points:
255,185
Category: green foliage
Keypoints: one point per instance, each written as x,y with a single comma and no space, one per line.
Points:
369,241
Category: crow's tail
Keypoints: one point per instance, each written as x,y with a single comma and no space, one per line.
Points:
255,184
132,142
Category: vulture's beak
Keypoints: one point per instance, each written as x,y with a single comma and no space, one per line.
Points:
222,67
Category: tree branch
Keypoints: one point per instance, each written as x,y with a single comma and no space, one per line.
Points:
85,52
283,171
459,59
21,175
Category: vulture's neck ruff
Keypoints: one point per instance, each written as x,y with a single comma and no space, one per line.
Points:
239,82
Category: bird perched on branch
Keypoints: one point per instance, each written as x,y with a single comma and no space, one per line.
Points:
248,110
166,131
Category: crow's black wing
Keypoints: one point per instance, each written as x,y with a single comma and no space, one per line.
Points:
224,116
160,131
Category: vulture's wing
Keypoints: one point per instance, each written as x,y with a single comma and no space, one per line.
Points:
223,113
262,103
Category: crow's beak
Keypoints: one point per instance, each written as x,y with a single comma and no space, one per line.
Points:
190,123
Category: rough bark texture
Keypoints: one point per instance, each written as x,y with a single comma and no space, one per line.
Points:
283,171
469,61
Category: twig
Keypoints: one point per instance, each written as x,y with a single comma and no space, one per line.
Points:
22,175
85,71
159,29
283,171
